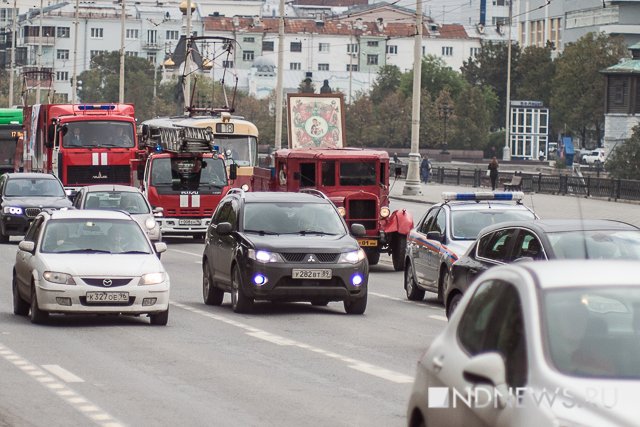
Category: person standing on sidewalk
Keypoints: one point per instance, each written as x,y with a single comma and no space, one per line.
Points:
493,172
425,170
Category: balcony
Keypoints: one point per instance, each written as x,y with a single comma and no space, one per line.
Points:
36,40
152,45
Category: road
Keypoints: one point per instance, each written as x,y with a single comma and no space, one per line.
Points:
284,365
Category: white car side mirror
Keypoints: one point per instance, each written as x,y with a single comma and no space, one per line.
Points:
26,246
160,247
488,369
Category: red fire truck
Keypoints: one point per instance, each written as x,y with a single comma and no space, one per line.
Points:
81,143
182,175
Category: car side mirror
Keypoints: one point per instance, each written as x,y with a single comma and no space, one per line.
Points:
140,172
233,171
358,230
160,247
488,369
51,132
158,211
224,229
27,246
434,235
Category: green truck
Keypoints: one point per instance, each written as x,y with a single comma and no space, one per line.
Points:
10,134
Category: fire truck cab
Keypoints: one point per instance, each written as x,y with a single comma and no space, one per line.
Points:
357,181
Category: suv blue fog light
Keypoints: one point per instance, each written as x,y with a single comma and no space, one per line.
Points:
356,279
259,279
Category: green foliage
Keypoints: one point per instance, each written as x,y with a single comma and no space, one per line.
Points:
436,76
535,69
472,120
387,82
624,161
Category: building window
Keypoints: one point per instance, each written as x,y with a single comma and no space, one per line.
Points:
152,37
62,76
474,51
97,33
372,59
323,67
63,32
267,46
392,49
131,34
131,53
296,47
249,39
352,48
94,53
62,54
295,66
227,64
247,55
151,57
172,35
447,50
372,43
323,47
352,67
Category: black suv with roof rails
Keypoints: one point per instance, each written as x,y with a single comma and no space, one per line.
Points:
279,246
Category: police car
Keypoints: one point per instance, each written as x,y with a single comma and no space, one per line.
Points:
447,230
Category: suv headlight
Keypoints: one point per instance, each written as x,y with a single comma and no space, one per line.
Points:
264,256
352,257
60,278
13,210
152,279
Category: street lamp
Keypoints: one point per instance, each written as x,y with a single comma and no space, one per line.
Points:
444,111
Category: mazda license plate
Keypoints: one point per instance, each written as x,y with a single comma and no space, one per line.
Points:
188,222
322,274
368,242
107,296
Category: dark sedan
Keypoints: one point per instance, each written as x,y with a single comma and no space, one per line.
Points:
541,240
283,247
24,196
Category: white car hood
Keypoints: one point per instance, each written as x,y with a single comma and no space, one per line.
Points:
112,265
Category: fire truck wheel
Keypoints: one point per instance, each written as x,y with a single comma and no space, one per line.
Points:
356,306
398,251
373,256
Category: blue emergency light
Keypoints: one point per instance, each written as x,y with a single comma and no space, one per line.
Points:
216,148
96,107
158,148
483,195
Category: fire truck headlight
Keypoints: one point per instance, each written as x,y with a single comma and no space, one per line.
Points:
342,211
150,223
13,210
245,187
384,212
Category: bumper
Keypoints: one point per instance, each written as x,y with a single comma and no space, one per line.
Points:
179,226
281,286
15,225
56,298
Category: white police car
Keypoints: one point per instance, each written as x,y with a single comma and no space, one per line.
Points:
447,230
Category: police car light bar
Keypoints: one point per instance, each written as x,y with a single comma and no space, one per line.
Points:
483,195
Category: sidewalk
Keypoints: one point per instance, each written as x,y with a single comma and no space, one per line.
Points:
545,205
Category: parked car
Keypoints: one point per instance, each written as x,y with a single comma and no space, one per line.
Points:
537,344
541,240
281,246
25,195
593,157
447,230
121,197
89,262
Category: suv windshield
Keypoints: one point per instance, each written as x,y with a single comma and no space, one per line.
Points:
292,218
33,187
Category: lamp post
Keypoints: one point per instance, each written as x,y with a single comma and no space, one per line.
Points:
444,111
13,51
506,151
122,54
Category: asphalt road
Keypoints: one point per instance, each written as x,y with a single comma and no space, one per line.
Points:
283,365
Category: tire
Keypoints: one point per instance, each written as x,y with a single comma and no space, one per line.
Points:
373,257
453,304
210,294
239,301
159,319
398,251
414,293
37,316
20,306
445,277
356,306
320,302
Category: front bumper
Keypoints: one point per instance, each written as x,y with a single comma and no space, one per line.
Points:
280,285
182,226
15,225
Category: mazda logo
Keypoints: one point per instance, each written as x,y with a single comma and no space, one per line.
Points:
107,282
312,258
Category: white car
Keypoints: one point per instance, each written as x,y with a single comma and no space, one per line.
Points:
551,343
89,261
593,157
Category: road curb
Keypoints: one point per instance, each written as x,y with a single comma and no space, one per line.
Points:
412,200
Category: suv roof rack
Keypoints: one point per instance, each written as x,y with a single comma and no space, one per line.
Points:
314,192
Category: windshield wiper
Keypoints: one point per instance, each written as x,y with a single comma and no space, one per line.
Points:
261,232
87,250
316,232
131,252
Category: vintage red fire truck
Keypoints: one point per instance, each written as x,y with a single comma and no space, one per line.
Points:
182,175
80,143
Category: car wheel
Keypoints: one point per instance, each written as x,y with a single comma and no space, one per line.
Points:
398,251
453,304
373,257
37,316
20,306
414,293
356,306
210,294
239,301
159,319
445,278
320,302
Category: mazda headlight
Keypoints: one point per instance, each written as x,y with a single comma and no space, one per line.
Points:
152,278
13,210
60,278
264,256
352,257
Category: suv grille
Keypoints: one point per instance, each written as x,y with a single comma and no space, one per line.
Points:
32,212
113,174
301,257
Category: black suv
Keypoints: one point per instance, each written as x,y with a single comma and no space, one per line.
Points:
280,246
24,195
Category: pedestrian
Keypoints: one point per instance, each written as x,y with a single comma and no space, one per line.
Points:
425,170
396,160
493,172
541,156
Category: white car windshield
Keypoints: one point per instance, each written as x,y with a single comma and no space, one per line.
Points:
292,218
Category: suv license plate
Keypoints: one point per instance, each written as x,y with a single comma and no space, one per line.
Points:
107,296
188,222
368,242
323,274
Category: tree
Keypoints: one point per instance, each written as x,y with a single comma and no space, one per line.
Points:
535,69
436,76
578,85
474,110
387,82
624,160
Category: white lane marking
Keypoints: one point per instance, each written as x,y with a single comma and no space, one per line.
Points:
186,252
358,365
404,300
89,409
438,317
63,374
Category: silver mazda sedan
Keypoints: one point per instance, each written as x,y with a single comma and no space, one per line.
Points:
89,261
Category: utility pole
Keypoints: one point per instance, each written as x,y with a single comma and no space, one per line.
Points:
13,51
122,24
39,61
412,183
74,80
279,78
187,67
506,151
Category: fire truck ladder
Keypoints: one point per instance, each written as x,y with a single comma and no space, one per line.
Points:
184,139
